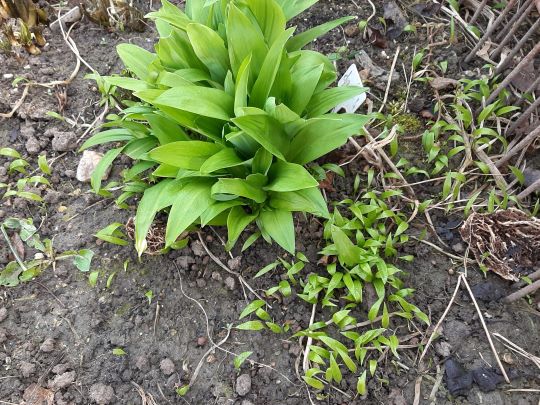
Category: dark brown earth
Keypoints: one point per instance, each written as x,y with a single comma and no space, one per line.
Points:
59,332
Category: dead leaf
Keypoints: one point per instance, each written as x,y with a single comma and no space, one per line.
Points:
328,183
440,83
427,115
427,9
37,395
525,77
376,38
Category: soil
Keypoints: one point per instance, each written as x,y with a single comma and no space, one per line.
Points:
58,332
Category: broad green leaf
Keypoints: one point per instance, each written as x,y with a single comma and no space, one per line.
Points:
225,158
189,155
43,165
327,99
280,226
227,189
241,89
304,83
136,59
154,199
307,200
127,83
170,14
9,152
210,49
82,259
203,101
291,8
261,162
285,177
189,204
301,40
237,221
9,276
266,131
319,136
270,18
216,209
112,234
265,79
165,129
348,252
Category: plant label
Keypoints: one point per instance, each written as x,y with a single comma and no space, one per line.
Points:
351,78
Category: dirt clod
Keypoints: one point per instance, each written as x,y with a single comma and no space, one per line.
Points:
198,249
3,313
62,380
47,346
230,283
243,385
167,366
101,394
27,369
63,141
87,164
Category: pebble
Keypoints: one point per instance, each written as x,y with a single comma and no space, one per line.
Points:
234,264
443,349
184,261
246,402
243,385
201,341
32,146
87,164
101,394
63,380
167,366
458,247
47,346
3,313
230,283
27,369
198,249
216,275
60,368
3,335
201,282
141,362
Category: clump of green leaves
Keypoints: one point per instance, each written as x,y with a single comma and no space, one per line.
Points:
24,233
361,248
229,111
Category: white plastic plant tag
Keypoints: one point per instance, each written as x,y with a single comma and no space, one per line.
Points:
351,78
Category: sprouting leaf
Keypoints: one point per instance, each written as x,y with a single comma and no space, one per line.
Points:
266,269
117,351
240,359
112,234
252,307
93,277
110,279
149,296
9,152
361,383
182,390
251,325
82,259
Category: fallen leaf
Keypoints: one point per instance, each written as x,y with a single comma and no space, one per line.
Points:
376,38
427,115
427,9
440,83
18,245
328,183
395,20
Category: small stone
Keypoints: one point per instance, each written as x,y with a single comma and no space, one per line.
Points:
444,349
87,164
184,261
458,247
3,335
47,346
70,173
62,208
243,385
64,141
230,283
167,366
295,350
52,196
216,275
71,16
201,341
3,313
234,264
101,394
352,30
27,369
62,380
211,359
198,249
8,76
246,402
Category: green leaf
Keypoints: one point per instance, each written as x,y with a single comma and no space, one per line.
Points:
251,325
189,204
280,226
210,49
226,189
9,276
165,129
225,158
266,131
101,168
93,277
83,259
216,209
127,83
240,359
307,200
333,373
241,89
267,75
361,384
117,351
43,165
189,155
154,199
136,59
202,101
9,152
285,177
112,234
252,307
111,135
299,41
270,17
518,174
291,8
348,252
327,99
182,390
266,269
237,221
